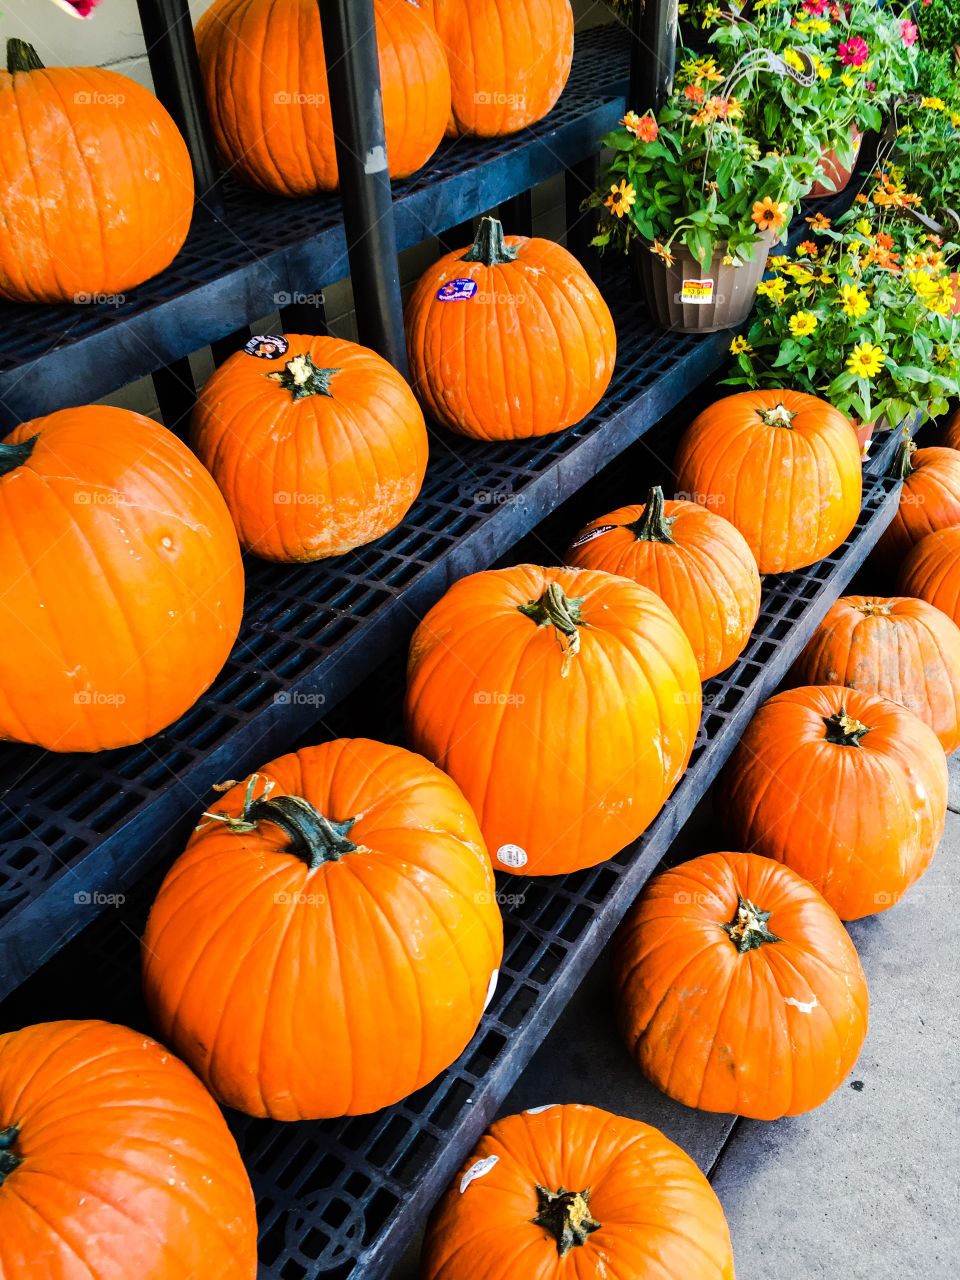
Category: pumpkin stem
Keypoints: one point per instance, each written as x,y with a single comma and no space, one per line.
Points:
778,416
903,462
489,247
15,455
844,729
653,525
566,1216
8,1157
301,377
22,56
748,929
874,609
563,614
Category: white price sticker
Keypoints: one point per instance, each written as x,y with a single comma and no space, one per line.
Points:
511,855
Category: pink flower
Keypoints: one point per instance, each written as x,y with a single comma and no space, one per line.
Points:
853,52
910,31
816,7
77,8
871,86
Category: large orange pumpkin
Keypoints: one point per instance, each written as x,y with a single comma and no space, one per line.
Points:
575,1193
696,562
847,789
266,86
317,453
115,1162
929,499
330,938
951,433
97,189
509,60
121,584
565,703
900,648
509,339
738,989
783,466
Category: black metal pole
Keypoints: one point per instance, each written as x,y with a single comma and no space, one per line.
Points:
172,50
353,74
653,53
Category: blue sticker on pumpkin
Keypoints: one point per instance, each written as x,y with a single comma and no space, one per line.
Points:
457,290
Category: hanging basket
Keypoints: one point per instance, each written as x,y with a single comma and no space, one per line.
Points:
834,172
690,298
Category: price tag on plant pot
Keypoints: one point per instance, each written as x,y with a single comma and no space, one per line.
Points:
697,292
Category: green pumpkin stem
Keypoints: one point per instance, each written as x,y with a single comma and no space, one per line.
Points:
313,837
653,525
489,246
563,614
903,462
566,1216
778,416
9,1159
15,455
301,377
748,929
22,56
844,729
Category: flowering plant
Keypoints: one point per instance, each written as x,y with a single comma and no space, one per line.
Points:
77,8
927,150
862,316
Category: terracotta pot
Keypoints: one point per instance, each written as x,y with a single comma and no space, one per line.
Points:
690,298
834,172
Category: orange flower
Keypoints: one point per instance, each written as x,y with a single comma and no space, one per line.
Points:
818,222
807,249
860,198
694,93
662,251
884,240
769,215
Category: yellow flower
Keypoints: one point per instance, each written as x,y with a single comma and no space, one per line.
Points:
793,59
934,104
955,119
802,323
631,122
769,215
942,354
855,301
820,25
777,262
775,290
823,71
865,229
848,81
662,251
798,273
740,346
818,222
866,360
622,198
701,69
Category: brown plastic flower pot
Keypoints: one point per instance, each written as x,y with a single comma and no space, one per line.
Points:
690,298
835,172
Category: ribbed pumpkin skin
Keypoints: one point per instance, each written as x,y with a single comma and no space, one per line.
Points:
121,584
269,103
898,648
96,187
764,1033
931,571
306,994
127,1165
793,492
568,767
706,576
861,823
317,476
509,60
530,354
929,500
658,1214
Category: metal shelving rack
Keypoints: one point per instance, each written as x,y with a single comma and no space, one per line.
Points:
342,1199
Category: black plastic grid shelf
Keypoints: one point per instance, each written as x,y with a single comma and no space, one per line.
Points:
343,1198
265,251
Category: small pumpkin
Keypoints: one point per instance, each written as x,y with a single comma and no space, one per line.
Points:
115,1162
931,571
316,455
565,703
771,1012
574,1191
899,648
97,191
509,60
929,499
509,339
696,562
121,583
847,789
265,77
354,876
782,466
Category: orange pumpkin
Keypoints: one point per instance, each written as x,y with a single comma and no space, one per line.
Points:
316,455
784,467
354,876
565,703
266,86
931,571
509,60
771,1012
575,1193
121,584
951,433
509,339
929,499
899,648
115,1162
97,190
696,562
847,789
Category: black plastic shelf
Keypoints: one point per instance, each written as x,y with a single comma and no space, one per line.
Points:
264,251
343,1198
